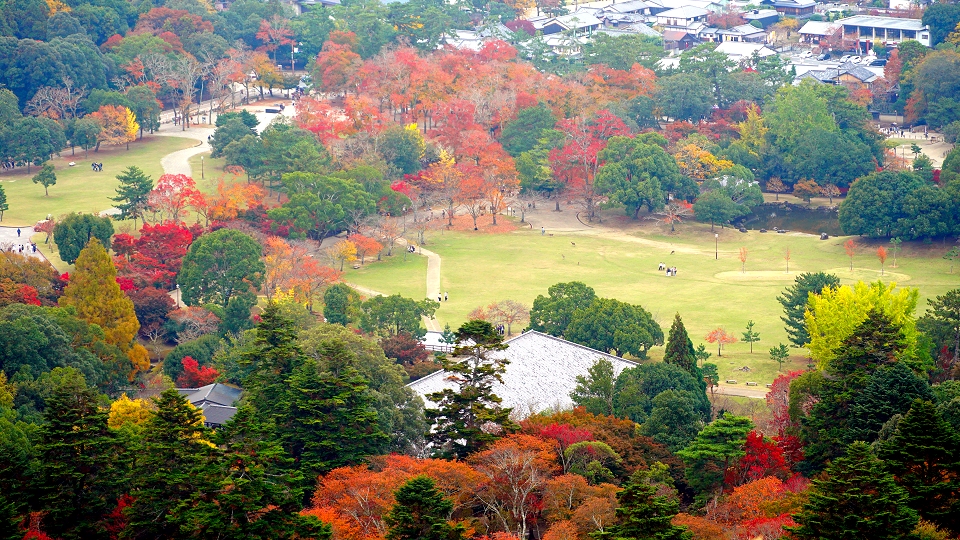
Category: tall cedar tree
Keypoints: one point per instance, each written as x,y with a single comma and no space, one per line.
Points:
595,391
923,457
132,193
461,414
329,420
794,302
77,483
272,358
875,343
74,232
420,513
95,295
261,494
680,351
716,449
176,477
858,499
643,514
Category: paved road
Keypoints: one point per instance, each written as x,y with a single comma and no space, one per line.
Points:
10,240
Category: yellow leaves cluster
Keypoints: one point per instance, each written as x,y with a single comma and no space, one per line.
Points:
698,163
128,411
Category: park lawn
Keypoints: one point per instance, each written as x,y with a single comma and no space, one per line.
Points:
78,189
478,269
398,274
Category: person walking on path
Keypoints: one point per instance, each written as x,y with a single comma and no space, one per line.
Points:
542,231
446,296
18,232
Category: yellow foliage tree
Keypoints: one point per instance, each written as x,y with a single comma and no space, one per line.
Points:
698,163
832,317
753,130
345,251
96,297
118,125
128,411
7,391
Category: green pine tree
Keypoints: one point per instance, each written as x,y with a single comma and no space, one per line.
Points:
680,351
274,356
261,493
923,457
420,513
77,484
715,449
176,473
329,420
794,302
3,202
643,514
750,336
858,499
132,193
461,414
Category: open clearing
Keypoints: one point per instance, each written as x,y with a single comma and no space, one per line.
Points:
620,261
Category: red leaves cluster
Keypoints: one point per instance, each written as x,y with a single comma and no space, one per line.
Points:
194,376
153,259
763,458
172,195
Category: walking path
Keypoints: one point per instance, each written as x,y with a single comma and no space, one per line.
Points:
9,240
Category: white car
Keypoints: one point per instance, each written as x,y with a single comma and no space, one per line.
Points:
854,59
845,58
806,54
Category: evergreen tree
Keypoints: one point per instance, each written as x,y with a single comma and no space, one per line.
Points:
461,414
420,513
750,336
329,420
341,304
794,302
46,177
715,449
132,193
274,355
595,391
680,350
858,499
643,514
924,457
95,295
875,343
74,232
176,474
77,484
3,202
260,494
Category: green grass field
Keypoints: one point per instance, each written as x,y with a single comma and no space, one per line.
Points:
78,189
479,269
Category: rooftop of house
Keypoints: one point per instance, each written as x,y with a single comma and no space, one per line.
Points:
737,50
216,393
540,376
741,30
874,21
685,12
217,414
819,28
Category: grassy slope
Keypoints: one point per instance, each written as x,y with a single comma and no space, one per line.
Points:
78,189
479,269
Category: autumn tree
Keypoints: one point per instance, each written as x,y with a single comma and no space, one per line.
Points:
364,246
794,301
674,212
95,295
882,257
470,417
775,185
830,191
721,338
743,260
118,125
508,312
172,194
806,190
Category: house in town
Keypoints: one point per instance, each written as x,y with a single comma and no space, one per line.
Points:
216,401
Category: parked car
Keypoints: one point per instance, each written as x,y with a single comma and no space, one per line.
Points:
806,54
823,56
879,62
844,58
854,59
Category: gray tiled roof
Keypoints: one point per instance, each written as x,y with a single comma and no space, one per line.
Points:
217,414
216,393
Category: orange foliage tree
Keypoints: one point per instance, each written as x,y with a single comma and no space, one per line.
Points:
171,196
118,125
365,245
882,256
721,338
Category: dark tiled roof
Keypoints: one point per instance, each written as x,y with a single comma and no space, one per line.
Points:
217,414
216,393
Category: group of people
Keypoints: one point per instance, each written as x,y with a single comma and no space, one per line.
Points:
670,270
442,298
19,248
96,167
500,329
